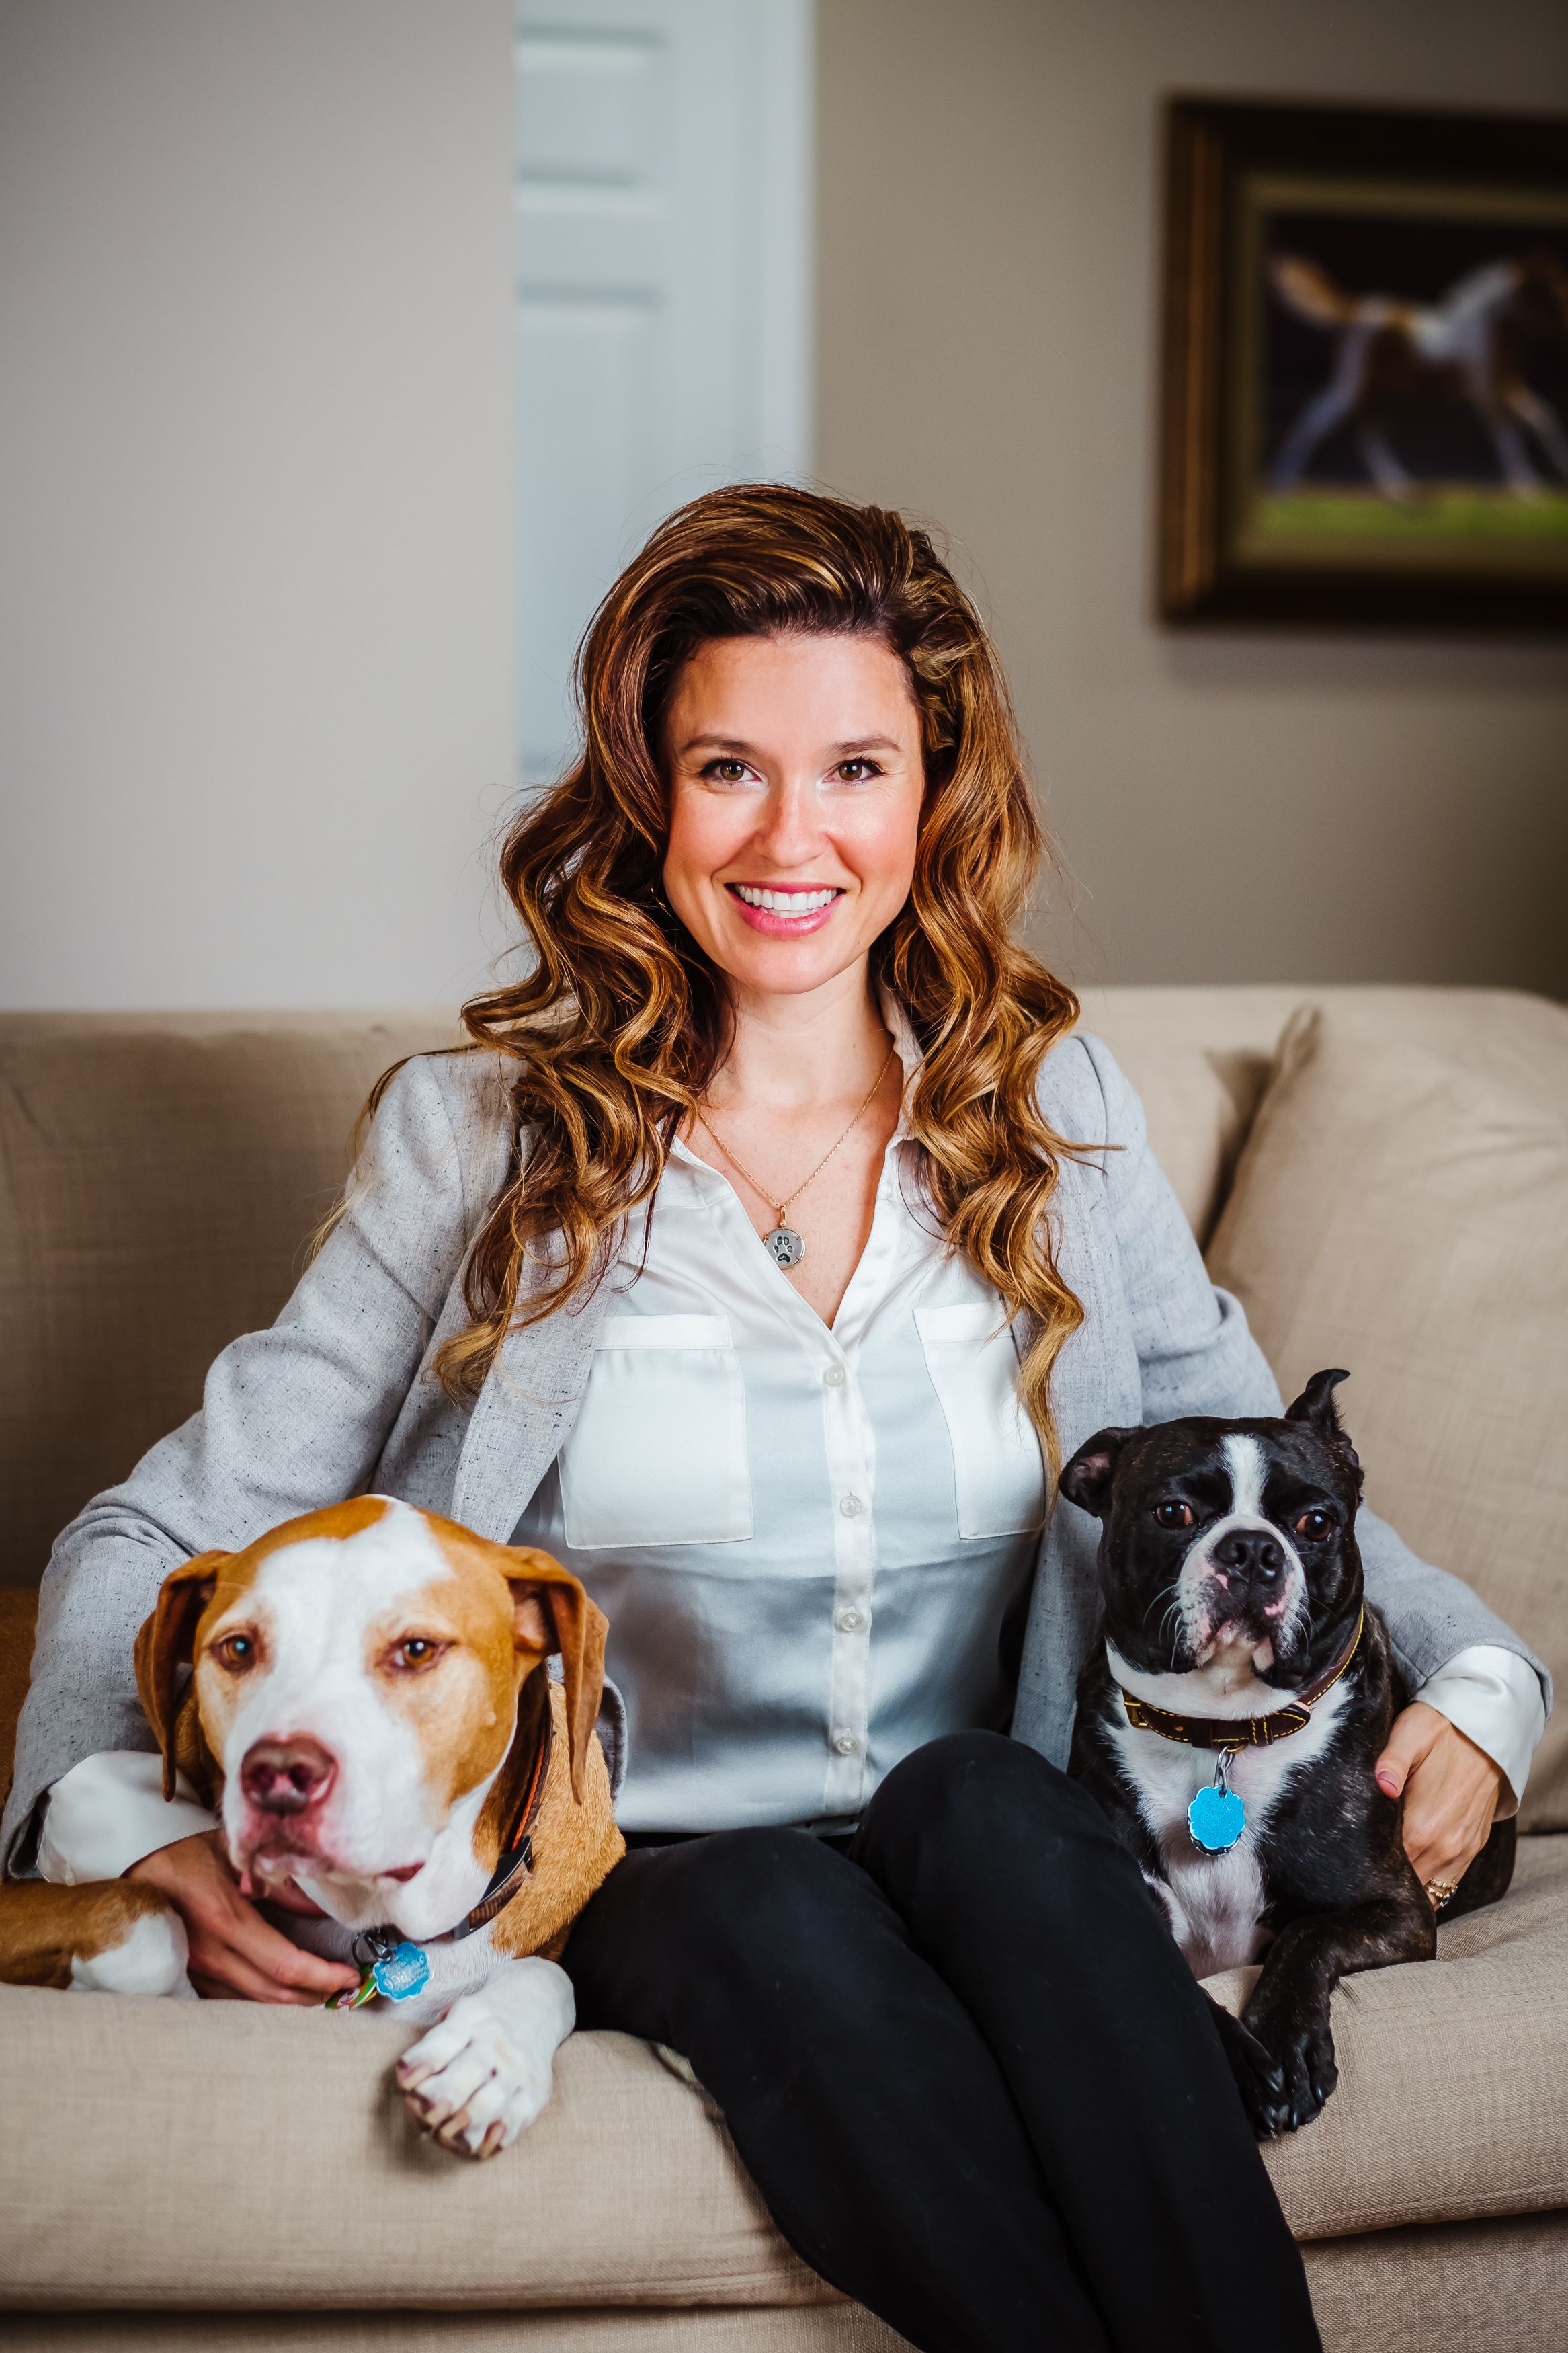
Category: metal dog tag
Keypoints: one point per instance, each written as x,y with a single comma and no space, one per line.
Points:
403,1973
1216,1816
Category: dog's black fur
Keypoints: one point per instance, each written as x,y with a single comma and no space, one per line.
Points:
1336,1892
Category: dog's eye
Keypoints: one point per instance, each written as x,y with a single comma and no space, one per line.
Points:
235,1651
1314,1526
415,1651
1174,1514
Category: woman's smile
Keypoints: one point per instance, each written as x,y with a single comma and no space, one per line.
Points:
783,910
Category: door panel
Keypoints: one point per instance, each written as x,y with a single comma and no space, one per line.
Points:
663,195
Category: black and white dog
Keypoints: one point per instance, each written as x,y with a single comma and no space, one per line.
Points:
1230,1717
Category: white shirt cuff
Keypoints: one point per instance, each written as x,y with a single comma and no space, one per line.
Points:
109,1811
1493,1697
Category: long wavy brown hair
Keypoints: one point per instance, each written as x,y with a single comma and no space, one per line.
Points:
612,1039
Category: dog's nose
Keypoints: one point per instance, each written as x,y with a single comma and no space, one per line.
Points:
1253,1552
284,1777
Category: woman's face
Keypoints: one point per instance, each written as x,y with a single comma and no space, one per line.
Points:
795,784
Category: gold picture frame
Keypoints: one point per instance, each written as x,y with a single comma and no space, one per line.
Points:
1364,411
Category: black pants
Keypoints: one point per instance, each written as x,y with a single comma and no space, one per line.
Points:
965,2063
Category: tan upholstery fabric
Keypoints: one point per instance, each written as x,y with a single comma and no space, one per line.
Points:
1481,2287
626,2188
18,1614
159,1176
1453,2095
1402,1209
817,2328
1453,2103
1484,2287
1201,1057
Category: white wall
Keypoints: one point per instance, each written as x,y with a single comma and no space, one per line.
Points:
1271,807
257,567
257,557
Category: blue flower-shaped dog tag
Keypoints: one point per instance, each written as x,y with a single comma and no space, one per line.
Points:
403,1973
1217,1819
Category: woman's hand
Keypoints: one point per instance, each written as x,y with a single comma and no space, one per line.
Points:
235,1955
1451,1789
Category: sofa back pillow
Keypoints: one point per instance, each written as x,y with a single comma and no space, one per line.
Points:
1401,1209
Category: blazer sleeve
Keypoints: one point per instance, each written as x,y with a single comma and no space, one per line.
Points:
291,1419
1196,1355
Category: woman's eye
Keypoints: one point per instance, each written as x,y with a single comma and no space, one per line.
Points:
857,771
727,771
1313,1526
1172,1514
235,1651
419,1651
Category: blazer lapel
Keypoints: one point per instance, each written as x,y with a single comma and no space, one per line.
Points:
523,1415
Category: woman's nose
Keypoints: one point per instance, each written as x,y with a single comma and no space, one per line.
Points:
790,829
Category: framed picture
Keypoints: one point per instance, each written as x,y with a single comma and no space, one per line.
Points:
1365,387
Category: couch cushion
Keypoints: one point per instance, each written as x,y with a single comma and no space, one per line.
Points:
1402,1209
152,2148
1200,1057
1453,2094
160,1176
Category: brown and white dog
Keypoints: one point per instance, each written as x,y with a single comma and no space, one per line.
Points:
368,1711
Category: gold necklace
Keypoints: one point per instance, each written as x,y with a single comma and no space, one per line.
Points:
788,1247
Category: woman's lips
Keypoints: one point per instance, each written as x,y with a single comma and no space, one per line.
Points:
774,923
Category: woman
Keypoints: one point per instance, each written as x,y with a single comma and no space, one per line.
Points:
720,1268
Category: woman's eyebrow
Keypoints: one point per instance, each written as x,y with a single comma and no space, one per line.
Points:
736,748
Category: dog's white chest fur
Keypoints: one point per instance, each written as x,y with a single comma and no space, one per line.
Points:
1214,1902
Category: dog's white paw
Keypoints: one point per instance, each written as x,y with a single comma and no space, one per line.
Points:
480,2077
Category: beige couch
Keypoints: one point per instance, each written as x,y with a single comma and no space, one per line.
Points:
177,2175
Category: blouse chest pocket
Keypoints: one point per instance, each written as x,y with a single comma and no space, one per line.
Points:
998,1470
657,1453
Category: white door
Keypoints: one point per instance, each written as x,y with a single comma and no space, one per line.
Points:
664,192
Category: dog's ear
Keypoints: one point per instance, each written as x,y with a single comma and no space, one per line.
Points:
1086,1479
164,1645
551,1612
1317,1407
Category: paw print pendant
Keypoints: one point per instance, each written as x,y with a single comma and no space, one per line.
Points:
786,1246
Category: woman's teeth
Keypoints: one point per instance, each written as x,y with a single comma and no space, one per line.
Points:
783,903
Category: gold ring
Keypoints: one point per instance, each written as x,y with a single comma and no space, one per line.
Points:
1440,1892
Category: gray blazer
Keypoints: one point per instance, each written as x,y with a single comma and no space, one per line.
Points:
338,1398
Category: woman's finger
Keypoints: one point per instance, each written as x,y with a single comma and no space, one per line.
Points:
231,1943
222,1971
1414,1732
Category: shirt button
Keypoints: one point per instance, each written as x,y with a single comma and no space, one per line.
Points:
832,1377
851,1506
844,1742
849,1621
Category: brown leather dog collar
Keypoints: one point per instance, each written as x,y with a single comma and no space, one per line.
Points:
1240,1732
516,1856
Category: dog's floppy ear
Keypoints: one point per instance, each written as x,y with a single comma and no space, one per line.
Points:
164,1646
1085,1481
1317,1407
551,1612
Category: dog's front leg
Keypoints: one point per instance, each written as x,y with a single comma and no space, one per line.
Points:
1289,2011
482,2075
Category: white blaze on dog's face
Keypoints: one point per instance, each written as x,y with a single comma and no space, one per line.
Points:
359,1691
338,1673
1241,1586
